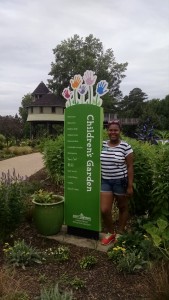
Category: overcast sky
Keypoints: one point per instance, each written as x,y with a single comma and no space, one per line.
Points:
136,30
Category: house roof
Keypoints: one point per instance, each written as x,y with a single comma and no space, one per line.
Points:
49,100
41,89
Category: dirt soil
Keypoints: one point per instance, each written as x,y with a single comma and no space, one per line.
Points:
103,281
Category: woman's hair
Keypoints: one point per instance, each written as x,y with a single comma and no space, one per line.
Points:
114,122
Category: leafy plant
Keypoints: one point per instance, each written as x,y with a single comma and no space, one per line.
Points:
42,196
14,192
116,253
144,154
77,283
87,262
53,293
21,255
160,187
159,232
53,156
131,262
61,253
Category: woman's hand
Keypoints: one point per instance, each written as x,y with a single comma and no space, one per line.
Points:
129,191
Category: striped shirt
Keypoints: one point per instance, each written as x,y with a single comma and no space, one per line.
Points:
113,164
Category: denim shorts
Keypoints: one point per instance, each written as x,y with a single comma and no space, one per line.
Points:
116,186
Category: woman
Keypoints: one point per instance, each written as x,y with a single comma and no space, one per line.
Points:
117,180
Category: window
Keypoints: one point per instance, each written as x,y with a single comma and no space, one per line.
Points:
53,109
41,110
31,110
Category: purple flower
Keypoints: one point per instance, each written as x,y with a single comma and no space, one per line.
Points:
83,89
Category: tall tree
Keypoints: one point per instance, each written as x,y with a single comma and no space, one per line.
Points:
23,112
76,55
11,127
132,106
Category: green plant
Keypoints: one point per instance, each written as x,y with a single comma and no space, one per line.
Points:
87,262
160,187
53,156
131,262
53,293
144,155
159,232
42,278
77,283
21,255
116,253
61,253
14,192
42,196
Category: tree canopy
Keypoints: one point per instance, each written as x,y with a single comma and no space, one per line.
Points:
11,127
76,55
132,106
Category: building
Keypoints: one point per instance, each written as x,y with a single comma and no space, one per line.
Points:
46,109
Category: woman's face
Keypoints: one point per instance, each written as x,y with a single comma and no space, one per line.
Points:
114,132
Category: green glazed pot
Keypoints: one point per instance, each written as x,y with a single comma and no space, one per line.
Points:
49,217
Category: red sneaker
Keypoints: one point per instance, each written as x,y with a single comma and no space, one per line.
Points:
109,238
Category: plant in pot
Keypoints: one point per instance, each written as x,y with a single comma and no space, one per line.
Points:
48,212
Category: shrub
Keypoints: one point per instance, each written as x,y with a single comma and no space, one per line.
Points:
53,156
13,202
19,150
160,186
144,154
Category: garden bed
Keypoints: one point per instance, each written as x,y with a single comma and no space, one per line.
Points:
103,281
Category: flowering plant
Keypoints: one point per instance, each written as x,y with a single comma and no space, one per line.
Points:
81,89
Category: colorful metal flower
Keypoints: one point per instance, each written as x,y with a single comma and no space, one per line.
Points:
89,77
67,93
83,89
101,88
76,81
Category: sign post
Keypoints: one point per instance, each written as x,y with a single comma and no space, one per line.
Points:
83,137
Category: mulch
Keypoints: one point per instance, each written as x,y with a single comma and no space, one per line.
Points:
101,282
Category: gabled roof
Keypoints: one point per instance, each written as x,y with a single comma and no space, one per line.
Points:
41,89
49,100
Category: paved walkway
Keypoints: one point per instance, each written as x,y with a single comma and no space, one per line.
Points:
24,165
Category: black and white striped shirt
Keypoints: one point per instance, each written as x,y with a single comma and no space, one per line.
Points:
113,164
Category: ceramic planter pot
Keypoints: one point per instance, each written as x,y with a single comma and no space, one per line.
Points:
49,217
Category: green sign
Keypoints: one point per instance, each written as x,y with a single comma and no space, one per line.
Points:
83,128
82,133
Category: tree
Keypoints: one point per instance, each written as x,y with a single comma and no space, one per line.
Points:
23,112
11,127
132,106
76,55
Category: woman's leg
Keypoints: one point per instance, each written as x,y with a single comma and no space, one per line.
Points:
106,210
122,202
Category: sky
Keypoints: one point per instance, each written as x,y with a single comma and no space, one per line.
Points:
136,30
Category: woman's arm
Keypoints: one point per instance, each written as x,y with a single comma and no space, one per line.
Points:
130,171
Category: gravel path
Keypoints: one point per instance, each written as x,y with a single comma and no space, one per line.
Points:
24,165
